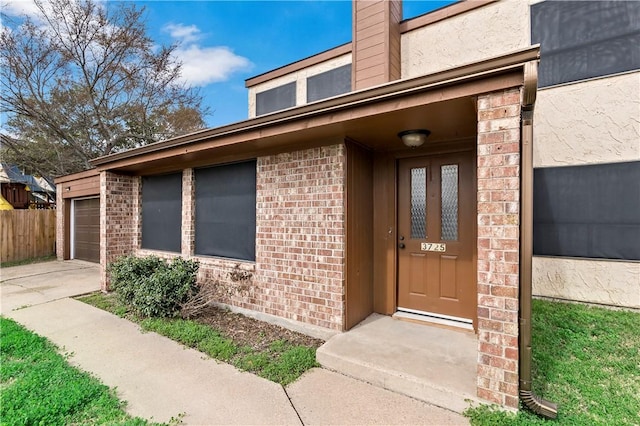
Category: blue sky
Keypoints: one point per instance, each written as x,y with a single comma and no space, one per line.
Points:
222,43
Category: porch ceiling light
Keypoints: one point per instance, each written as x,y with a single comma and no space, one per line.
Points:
414,138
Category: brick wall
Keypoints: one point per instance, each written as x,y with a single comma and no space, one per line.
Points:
119,219
188,214
300,240
498,245
300,235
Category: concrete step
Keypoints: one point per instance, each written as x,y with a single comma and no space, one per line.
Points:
432,364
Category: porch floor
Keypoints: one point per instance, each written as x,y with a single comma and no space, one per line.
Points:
430,363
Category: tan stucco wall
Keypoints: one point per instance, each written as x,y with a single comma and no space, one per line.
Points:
588,280
300,77
594,121
482,33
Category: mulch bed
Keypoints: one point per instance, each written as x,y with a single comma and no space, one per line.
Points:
246,331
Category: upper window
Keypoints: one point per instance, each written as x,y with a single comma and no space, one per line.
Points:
275,99
585,39
162,212
226,211
330,83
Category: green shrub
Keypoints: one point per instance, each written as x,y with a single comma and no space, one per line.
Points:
152,287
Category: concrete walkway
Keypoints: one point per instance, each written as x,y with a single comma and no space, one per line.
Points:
161,379
432,364
27,285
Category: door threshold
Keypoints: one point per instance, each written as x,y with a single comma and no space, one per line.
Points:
427,317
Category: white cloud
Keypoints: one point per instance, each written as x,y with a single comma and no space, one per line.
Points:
184,33
205,65
19,7
202,65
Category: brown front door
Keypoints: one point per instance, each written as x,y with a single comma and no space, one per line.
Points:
436,236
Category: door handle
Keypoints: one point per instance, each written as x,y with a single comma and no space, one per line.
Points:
401,245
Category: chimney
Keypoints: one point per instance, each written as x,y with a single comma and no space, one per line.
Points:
376,42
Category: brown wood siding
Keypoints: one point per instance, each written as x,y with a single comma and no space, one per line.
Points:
366,9
82,187
384,234
86,230
370,67
371,52
376,42
394,44
359,218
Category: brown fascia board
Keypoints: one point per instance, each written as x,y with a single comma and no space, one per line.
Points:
378,93
442,14
76,176
298,65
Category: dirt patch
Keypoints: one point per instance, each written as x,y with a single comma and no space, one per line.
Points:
246,331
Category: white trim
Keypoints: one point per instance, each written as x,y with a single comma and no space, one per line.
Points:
431,317
72,230
72,225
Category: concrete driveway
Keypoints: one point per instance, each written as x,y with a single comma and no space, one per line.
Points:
29,285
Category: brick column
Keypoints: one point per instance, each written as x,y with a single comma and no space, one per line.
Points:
119,222
188,214
61,205
498,245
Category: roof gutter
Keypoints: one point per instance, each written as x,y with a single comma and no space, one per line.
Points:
529,399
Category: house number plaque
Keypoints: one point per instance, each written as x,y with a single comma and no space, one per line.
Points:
440,247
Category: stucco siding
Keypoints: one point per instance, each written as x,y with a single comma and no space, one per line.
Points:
483,33
594,121
588,280
300,77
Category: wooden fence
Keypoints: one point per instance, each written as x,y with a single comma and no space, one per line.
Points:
26,234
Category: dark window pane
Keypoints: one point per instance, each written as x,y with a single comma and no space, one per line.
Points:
226,211
275,99
585,39
587,211
331,83
162,212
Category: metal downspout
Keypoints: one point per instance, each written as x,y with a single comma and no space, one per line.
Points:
534,403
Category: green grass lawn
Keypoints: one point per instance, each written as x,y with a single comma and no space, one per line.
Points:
39,387
587,360
282,362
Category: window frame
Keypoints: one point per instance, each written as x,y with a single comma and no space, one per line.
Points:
165,217
226,231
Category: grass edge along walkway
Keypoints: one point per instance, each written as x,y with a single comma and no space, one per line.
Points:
38,386
282,362
587,360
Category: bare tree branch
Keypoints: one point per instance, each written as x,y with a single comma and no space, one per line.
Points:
89,82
